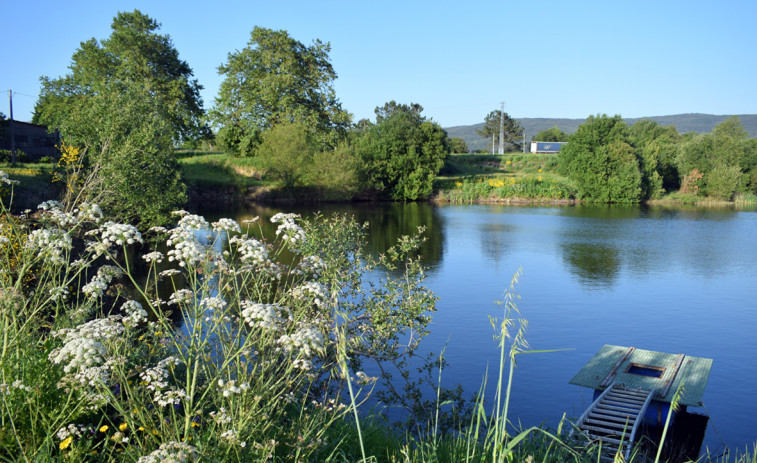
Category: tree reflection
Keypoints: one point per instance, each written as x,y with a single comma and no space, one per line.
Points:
594,264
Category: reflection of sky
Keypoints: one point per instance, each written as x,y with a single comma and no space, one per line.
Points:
678,281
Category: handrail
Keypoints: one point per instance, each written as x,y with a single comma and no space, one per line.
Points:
639,419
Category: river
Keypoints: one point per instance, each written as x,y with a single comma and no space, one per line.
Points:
678,280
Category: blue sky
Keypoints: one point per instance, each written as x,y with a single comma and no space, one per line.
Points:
542,58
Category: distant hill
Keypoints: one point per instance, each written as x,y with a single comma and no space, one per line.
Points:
701,123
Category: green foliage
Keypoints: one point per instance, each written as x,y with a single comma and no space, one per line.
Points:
128,148
277,79
458,145
286,153
728,147
658,148
134,55
601,162
402,153
553,134
723,181
513,132
335,173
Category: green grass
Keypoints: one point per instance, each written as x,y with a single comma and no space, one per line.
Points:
221,170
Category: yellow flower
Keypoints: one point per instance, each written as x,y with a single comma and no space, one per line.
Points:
122,426
66,442
539,170
104,428
195,425
141,428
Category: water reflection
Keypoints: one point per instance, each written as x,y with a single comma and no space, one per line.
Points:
387,223
595,264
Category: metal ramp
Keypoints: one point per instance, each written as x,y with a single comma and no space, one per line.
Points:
614,418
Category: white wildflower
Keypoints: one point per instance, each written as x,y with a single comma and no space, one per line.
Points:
230,387
263,315
119,234
290,232
169,397
171,452
187,253
5,179
311,291
221,417
59,293
227,225
155,256
135,314
79,352
284,217
193,222
50,205
306,341
313,265
50,244
233,437
250,250
182,296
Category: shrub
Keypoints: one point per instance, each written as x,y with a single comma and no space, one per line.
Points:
723,182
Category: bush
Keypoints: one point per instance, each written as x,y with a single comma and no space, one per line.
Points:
723,182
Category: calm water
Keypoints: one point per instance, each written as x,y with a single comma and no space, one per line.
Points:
671,280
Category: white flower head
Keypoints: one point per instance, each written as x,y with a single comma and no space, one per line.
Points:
119,234
227,225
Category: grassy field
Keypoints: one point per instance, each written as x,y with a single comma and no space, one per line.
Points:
487,177
218,169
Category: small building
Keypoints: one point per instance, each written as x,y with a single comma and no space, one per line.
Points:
546,146
32,139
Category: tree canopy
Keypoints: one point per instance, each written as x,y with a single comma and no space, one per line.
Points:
552,134
276,79
513,132
135,55
601,161
402,152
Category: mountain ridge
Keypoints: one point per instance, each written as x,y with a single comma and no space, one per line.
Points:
686,122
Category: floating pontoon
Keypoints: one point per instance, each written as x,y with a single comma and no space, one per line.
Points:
633,387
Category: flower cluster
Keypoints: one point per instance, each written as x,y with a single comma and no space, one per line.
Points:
105,274
312,265
175,452
182,296
305,342
290,232
79,353
6,180
251,251
230,387
233,438
51,244
187,253
119,234
134,314
227,225
268,316
156,378
155,256
311,291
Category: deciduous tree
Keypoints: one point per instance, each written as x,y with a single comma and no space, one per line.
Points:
135,54
277,79
602,163
402,153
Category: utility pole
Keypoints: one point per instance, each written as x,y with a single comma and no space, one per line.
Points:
492,143
502,129
12,134
524,142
